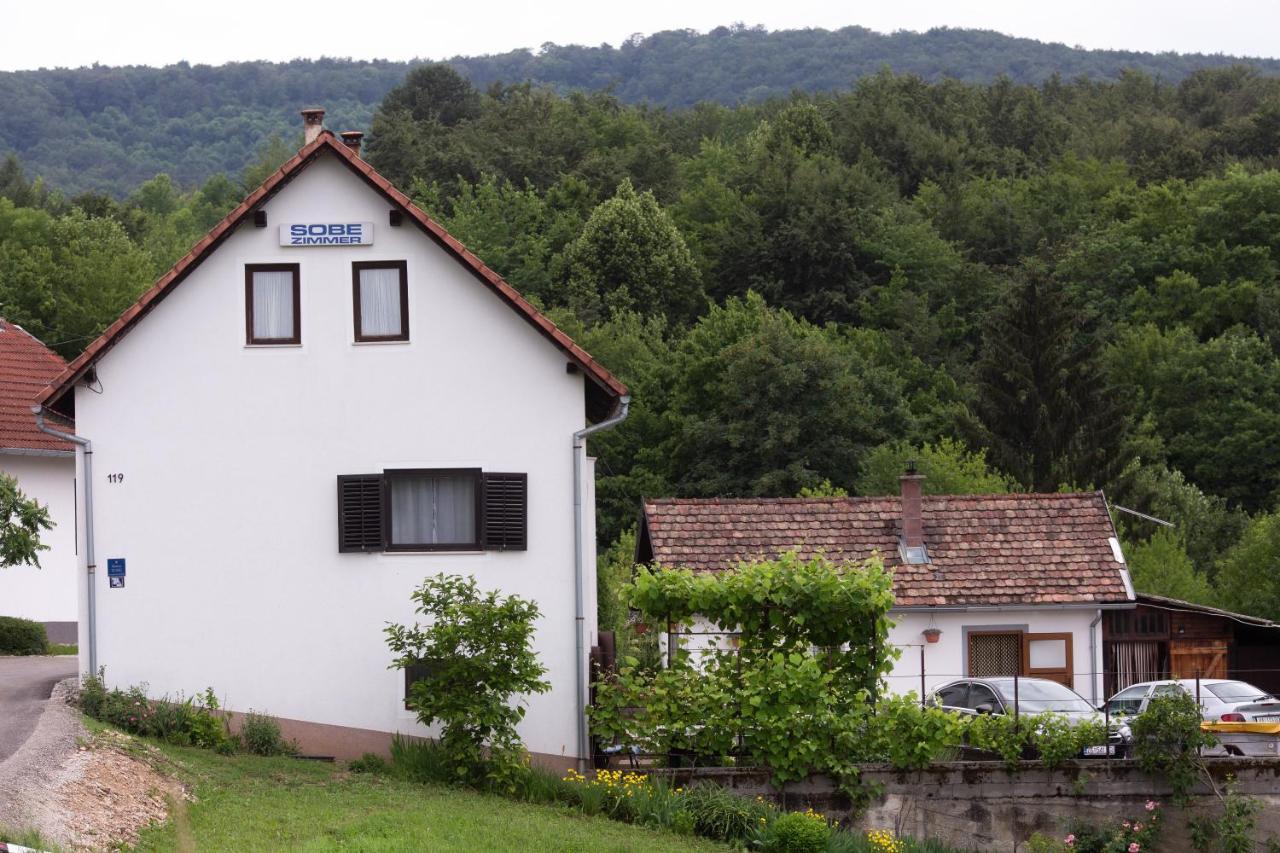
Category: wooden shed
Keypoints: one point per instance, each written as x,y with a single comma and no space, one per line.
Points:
1167,638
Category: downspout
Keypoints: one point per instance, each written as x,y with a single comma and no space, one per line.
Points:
1093,658
579,448
87,447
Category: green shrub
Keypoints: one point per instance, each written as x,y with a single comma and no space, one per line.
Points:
260,734
192,721
797,832
415,760
371,763
723,815
22,637
1167,739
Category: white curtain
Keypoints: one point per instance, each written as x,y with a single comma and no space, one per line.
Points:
433,510
379,302
273,305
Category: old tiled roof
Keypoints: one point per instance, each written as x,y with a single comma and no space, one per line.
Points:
26,368
603,387
983,549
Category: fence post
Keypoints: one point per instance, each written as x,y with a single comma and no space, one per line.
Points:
922,675
1016,703
1198,686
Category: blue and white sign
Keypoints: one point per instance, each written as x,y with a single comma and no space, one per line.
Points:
326,234
115,567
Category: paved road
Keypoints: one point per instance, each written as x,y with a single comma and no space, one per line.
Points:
25,685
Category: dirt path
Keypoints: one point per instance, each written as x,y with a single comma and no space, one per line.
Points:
82,791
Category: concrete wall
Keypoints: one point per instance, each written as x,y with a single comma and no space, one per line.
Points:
982,806
225,509
46,594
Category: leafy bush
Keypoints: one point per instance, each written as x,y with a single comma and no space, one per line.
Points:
479,648
797,832
191,721
22,637
1167,740
260,734
1003,734
417,760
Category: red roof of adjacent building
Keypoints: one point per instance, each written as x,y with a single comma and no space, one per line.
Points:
603,387
26,369
984,550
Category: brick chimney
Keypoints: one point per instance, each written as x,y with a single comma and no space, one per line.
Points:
312,124
351,139
912,514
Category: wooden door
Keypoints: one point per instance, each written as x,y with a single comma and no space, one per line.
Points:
1198,658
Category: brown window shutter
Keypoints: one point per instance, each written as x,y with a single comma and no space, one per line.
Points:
505,517
360,513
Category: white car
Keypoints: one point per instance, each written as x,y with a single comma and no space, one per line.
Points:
1221,699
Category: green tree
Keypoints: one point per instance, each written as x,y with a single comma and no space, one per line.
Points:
22,519
948,466
631,256
1160,566
1048,408
1248,577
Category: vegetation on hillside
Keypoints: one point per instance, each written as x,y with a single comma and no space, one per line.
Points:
1022,286
109,129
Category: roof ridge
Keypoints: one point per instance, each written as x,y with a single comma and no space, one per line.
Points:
675,501
326,140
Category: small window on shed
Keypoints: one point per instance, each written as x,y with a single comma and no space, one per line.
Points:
381,300
272,312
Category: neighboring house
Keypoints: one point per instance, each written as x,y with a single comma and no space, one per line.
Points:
326,401
1016,584
1167,638
45,468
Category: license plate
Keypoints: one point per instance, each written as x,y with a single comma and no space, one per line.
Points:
1099,750
1267,718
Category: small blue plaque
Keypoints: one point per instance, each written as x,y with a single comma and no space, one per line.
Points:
115,567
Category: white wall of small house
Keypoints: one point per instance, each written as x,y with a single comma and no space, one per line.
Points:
47,593
947,659
227,455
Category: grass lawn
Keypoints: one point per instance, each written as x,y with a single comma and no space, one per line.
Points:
252,803
63,649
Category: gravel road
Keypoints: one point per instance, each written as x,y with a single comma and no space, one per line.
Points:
25,685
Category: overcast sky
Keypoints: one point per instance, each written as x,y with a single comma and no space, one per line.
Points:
49,33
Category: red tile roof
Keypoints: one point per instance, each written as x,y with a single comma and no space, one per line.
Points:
603,389
26,368
983,549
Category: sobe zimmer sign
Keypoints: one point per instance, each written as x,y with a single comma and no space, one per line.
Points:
326,234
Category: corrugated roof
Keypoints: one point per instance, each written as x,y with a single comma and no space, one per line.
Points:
26,369
603,387
984,550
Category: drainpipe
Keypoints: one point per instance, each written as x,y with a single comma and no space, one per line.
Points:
579,448
87,446
1093,658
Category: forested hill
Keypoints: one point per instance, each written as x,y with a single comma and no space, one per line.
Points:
109,129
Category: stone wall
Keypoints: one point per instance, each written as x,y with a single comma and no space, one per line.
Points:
975,805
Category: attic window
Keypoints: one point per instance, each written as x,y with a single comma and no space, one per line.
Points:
271,296
914,555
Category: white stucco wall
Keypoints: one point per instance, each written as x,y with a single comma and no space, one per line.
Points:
48,593
226,512
946,660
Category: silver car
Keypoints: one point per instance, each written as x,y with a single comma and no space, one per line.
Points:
1221,699
973,696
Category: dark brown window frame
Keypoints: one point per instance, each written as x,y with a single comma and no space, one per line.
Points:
359,266
249,270
406,473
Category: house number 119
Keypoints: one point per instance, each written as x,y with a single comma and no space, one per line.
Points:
115,478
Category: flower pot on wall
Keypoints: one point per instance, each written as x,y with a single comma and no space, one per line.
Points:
932,635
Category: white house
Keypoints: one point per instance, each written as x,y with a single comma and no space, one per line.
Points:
326,401
1014,584
45,469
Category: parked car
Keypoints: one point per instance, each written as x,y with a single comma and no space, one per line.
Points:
975,696
1221,699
